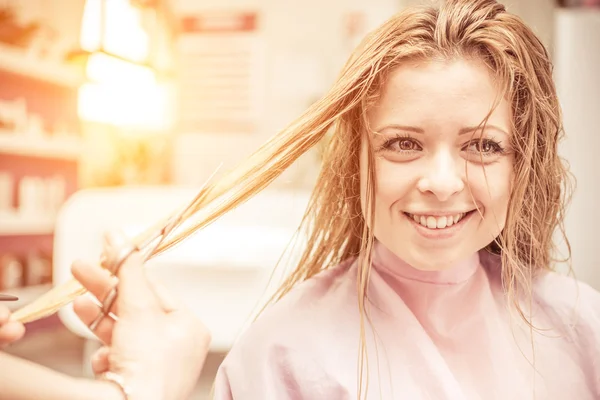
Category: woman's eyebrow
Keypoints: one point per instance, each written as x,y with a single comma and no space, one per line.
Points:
471,129
462,131
400,128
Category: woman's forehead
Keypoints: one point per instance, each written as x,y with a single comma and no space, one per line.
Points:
434,95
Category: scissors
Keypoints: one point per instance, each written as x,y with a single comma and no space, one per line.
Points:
147,247
8,297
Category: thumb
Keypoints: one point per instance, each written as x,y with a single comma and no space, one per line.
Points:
135,294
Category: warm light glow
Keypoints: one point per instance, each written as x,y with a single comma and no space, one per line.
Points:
119,92
91,29
124,34
102,67
136,106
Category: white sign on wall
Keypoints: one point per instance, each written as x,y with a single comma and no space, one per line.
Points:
221,72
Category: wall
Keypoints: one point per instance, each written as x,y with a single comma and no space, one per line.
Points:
577,74
304,50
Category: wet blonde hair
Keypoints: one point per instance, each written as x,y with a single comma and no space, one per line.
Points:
334,222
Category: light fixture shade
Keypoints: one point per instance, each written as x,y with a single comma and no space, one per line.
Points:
122,88
143,107
102,67
115,27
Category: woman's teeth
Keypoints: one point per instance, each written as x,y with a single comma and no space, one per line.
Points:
432,222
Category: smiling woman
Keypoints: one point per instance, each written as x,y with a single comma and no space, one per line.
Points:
443,168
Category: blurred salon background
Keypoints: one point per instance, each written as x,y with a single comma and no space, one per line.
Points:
114,112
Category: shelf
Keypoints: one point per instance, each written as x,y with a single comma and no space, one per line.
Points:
16,61
59,148
26,295
14,224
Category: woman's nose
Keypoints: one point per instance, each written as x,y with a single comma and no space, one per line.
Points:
442,175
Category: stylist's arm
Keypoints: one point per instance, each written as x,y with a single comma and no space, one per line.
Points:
156,345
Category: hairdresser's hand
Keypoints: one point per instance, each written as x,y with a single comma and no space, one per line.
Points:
156,345
10,331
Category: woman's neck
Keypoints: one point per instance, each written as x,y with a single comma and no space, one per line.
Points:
461,271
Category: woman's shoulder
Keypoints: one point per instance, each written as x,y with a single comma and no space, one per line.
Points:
281,354
316,302
573,301
555,293
564,289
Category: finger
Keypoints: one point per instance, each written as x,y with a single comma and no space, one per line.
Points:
135,294
4,315
101,360
88,311
115,249
11,332
115,239
94,278
166,299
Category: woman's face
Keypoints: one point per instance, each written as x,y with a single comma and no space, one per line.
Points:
434,168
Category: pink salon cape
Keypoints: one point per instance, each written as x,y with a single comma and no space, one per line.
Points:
434,335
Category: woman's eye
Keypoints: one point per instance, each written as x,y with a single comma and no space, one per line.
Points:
402,145
485,146
407,145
